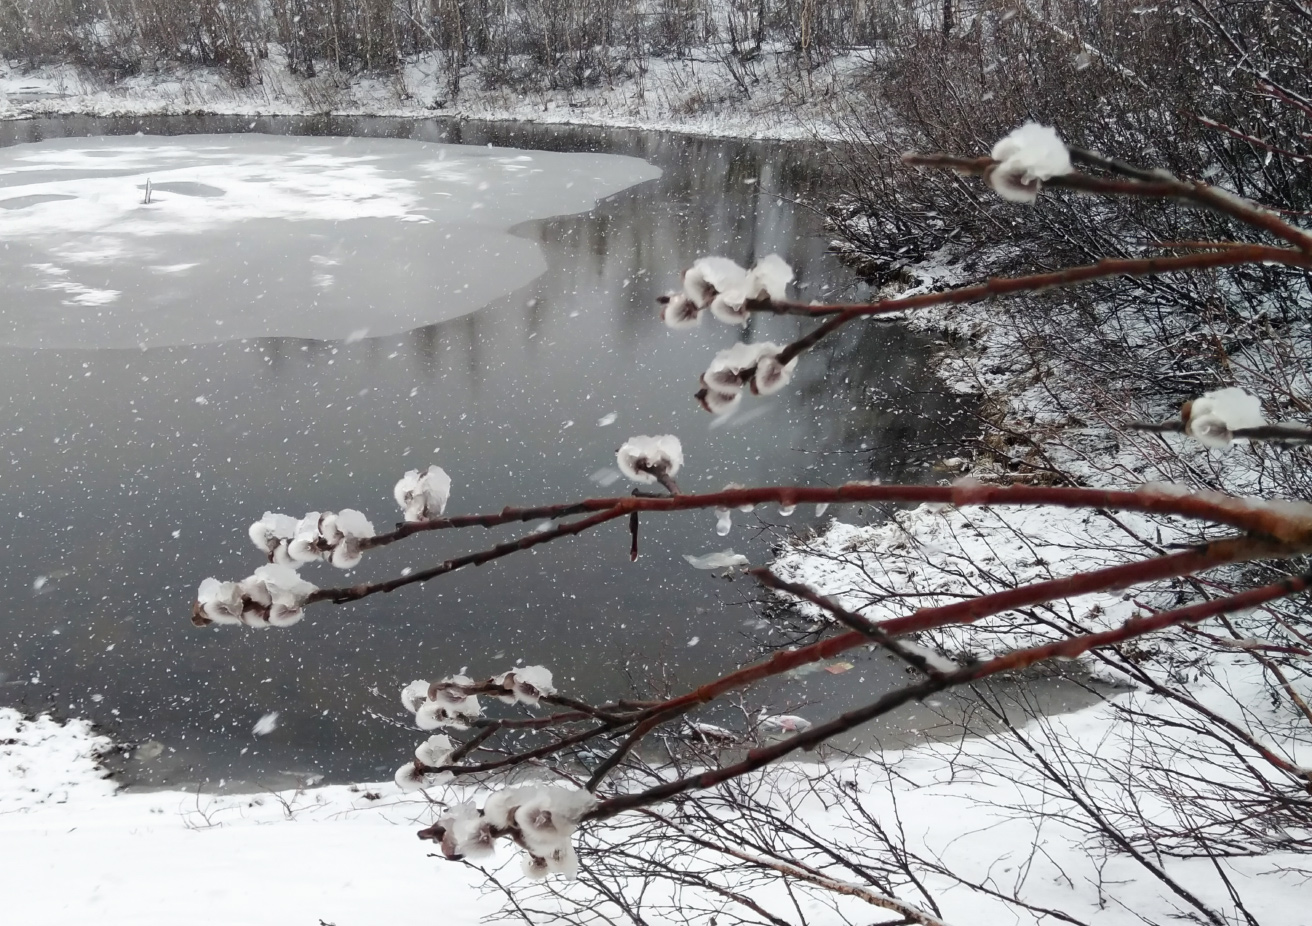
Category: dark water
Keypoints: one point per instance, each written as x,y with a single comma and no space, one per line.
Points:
121,493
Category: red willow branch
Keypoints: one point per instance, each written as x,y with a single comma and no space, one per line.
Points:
355,592
1273,433
1223,254
1017,659
1162,185
1226,254
1113,577
1289,530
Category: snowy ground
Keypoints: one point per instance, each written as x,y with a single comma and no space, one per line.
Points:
76,851
347,855
768,98
943,553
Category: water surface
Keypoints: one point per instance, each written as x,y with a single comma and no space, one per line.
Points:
130,474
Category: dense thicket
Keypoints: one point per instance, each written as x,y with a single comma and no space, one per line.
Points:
1210,89
564,42
1220,91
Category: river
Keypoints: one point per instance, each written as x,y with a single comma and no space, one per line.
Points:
132,469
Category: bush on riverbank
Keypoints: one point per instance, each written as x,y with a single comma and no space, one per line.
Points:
563,43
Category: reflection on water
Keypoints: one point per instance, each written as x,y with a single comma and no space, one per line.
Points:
131,474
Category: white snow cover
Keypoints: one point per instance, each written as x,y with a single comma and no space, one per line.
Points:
76,849
423,496
670,94
271,236
1026,157
640,454
347,854
937,551
1214,415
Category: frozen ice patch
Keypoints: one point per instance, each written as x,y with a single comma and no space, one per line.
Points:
243,229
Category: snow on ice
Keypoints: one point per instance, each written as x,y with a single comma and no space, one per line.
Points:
239,226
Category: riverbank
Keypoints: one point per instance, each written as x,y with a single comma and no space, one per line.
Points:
78,849
708,93
1222,706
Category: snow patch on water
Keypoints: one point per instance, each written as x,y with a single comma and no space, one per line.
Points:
238,233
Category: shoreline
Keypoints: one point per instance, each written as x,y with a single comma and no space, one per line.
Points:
682,96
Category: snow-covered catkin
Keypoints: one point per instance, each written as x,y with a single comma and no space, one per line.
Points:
1212,418
271,535
335,536
273,597
1026,157
679,312
758,364
641,458
526,685
726,288
442,704
542,819
423,496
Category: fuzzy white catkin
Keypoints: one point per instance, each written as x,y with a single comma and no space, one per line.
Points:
1026,157
436,750
1214,415
423,496
408,778
271,530
414,694
711,275
641,453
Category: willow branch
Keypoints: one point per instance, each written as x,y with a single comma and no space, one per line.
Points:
1290,529
851,619
1018,659
1274,433
356,592
650,716
1154,185
1224,254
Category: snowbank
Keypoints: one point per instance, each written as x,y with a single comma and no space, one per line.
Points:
76,850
